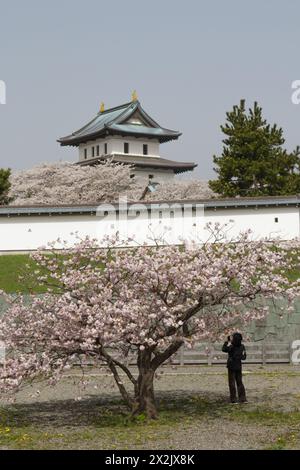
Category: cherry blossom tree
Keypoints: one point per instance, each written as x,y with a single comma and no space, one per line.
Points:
181,190
66,183
143,304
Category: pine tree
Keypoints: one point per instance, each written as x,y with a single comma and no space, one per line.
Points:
4,186
253,161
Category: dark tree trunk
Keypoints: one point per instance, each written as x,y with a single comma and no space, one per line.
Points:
148,363
144,400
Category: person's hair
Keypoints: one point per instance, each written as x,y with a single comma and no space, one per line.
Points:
237,339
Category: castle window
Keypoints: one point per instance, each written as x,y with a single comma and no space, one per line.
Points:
98,150
93,152
145,149
126,147
276,220
85,154
105,149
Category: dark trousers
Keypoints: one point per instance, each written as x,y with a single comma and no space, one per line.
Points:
235,382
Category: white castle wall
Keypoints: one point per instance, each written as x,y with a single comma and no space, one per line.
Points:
166,225
159,176
116,145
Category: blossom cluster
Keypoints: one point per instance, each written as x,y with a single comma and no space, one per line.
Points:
111,305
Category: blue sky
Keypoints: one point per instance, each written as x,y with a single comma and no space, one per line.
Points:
190,62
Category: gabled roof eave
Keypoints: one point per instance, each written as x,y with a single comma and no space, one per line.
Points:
126,111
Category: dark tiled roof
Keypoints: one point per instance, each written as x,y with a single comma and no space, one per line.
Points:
142,162
115,121
209,204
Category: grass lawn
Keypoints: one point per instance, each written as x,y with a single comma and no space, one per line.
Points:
11,267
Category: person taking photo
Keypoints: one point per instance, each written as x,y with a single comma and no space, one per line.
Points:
236,354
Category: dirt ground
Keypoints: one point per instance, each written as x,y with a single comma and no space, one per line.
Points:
194,413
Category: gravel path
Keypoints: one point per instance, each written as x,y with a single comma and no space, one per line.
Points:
66,417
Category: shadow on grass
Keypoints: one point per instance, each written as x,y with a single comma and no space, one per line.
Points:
104,412
109,412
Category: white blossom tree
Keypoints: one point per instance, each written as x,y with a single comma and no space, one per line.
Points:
181,190
66,183
110,306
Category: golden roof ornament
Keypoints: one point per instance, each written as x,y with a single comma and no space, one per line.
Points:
134,96
102,108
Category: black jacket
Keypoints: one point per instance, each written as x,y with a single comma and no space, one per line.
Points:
236,354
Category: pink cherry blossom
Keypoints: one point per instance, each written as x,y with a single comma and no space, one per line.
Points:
113,306
67,183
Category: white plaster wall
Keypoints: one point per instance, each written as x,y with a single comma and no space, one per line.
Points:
165,225
159,176
29,233
116,145
261,221
89,146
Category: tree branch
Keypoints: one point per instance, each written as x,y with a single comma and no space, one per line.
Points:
161,358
